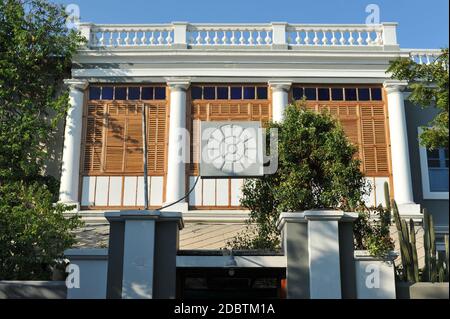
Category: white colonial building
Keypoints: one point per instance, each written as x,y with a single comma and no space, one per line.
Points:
185,73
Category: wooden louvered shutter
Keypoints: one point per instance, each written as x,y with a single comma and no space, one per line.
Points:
351,129
375,151
94,138
156,126
115,139
133,150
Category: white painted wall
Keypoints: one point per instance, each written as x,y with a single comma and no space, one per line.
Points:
375,278
93,268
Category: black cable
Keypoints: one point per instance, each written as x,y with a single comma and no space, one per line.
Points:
187,194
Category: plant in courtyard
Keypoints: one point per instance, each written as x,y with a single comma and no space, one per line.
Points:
436,266
371,229
35,56
317,168
429,87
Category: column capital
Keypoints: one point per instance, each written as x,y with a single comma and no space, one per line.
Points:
76,84
394,85
280,85
178,84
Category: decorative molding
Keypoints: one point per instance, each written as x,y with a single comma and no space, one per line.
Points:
392,86
176,85
76,84
280,85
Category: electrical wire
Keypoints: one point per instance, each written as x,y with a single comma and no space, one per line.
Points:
187,194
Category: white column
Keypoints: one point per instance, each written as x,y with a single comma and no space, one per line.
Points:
401,170
280,94
178,148
70,170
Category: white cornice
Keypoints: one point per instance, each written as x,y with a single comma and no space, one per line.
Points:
229,72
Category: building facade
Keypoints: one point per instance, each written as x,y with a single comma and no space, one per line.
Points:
186,73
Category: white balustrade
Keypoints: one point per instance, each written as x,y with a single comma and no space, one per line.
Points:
423,56
329,35
134,36
240,35
229,35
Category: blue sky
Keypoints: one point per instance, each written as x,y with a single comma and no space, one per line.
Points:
422,24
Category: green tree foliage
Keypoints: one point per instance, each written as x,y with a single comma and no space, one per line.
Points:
33,231
429,87
35,56
317,169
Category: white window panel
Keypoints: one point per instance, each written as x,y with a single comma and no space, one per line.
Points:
379,190
88,191
101,191
222,192
129,191
195,197
236,192
156,190
115,191
209,192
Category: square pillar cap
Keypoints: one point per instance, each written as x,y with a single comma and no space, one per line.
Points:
315,215
156,215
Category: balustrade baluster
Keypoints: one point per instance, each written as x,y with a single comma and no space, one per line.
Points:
242,39
306,39
160,38
333,37
267,39
224,38
102,38
368,38
152,38
298,39
119,39
110,41
342,38
259,38
316,38
169,38
351,39
144,37
250,38
207,38
127,38
216,38
233,38
360,39
324,37
198,39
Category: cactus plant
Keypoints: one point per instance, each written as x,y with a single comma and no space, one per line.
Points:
434,269
446,258
430,270
415,261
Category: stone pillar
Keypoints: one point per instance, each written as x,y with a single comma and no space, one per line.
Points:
70,170
401,168
142,254
178,149
280,94
294,242
314,244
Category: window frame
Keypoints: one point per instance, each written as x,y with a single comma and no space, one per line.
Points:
424,170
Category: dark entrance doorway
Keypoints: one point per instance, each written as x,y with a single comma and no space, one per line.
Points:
219,283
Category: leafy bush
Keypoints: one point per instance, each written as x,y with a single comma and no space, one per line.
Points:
35,56
33,231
